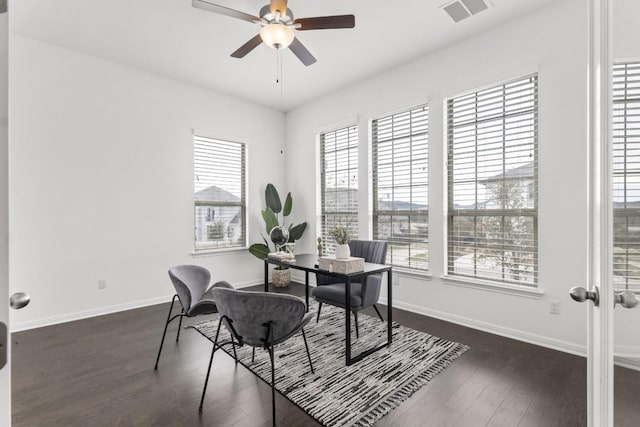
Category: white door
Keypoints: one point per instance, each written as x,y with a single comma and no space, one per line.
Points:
600,317
5,372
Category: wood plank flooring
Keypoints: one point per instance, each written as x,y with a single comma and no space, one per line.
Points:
99,372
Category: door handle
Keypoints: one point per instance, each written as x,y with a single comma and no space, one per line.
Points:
627,299
19,300
580,294
16,301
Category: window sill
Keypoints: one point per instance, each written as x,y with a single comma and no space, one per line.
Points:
215,252
486,285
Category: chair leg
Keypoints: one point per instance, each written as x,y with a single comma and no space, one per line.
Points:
233,344
378,311
173,300
253,354
206,381
273,387
180,325
355,314
319,308
304,337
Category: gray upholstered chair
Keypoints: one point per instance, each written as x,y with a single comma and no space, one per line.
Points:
194,294
330,290
259,319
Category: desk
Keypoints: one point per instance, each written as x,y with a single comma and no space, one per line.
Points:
309,264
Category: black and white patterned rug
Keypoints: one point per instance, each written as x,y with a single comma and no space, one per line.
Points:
356,395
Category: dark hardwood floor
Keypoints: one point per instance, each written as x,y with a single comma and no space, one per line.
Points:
99,372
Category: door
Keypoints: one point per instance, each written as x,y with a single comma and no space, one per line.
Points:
5,372
600,311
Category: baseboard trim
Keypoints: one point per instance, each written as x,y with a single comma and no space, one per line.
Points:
628,363
101,311
628,358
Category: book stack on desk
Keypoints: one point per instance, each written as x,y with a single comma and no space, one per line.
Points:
343,266
281,256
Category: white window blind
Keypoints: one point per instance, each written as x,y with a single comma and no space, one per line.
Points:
626,176
339,183
400,186
493,183
219,193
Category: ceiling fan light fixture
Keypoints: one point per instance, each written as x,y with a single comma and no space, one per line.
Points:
277,36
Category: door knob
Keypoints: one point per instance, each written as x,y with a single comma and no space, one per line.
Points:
580,294
627,299
19,300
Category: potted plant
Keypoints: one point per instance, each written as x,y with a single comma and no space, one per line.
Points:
340,234
281,275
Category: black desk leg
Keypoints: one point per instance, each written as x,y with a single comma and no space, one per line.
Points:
266,276
389,306
306,289
347,322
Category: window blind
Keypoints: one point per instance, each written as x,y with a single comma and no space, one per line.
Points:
339,183
400,186
219,188
493,183
626,176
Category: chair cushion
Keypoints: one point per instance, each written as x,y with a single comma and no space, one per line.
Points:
334,294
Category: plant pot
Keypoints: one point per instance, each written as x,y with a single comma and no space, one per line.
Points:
343,251
281,278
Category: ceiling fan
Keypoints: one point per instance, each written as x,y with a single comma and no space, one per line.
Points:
277,24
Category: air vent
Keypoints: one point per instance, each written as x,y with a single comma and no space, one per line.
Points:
462,9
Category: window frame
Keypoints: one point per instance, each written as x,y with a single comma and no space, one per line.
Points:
416,117
625,144
502,284
211,139
352,141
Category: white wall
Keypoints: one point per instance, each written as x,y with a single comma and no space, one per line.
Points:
551,42
101,181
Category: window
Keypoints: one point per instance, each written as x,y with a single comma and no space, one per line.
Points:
338,182
626,176
493,183
219,189
400,186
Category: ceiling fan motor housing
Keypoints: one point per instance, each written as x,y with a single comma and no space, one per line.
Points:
267,16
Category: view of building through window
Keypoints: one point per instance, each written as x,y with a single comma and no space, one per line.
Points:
492,183
339,182
400,186
626,176
219,193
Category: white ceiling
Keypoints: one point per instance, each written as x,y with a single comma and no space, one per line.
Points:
171,38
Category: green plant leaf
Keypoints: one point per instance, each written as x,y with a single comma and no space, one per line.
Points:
272,198
296,232
259,250
288,204
270,220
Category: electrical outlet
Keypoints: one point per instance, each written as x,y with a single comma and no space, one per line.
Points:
102,283
396,281
554,306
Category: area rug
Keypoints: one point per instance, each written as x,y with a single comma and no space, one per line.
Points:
356,395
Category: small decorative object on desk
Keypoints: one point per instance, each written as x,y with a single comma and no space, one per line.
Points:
344,266
340,234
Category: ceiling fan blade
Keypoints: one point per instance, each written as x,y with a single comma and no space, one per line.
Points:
280,5
326,22
301,52
205,5
247,47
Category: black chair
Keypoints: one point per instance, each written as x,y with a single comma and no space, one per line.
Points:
194,295
259,319
330,290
